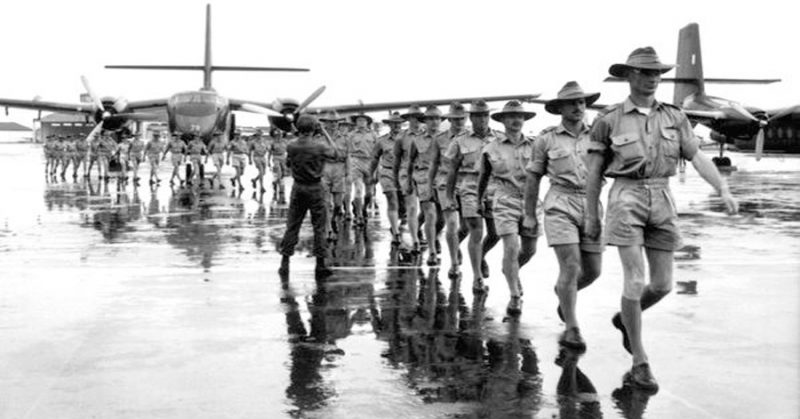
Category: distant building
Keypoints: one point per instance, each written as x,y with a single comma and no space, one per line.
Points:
64,124
12,132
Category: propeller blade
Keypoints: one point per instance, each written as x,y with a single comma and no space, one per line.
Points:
249,107
91,93
304,104
97,128
759,143
120,104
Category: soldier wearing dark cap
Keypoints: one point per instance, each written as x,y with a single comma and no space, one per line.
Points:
306,158
639,143
402,153
503,163
561,153
464,154
441,165
383,160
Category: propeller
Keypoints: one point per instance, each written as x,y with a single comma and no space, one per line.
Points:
762,123
287,111
249,107
304,104
95,99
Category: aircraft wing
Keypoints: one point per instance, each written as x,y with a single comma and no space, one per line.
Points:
791,113
387,106
149,105
40,105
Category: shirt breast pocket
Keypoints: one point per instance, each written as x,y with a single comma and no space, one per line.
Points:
560,161
670,144
499,164
471,153
628,149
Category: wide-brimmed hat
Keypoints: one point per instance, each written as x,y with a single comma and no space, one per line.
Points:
361,115
571,91
644,58
346,122
457,110
431,112
414,111
479,106
395,118
331,116
511,108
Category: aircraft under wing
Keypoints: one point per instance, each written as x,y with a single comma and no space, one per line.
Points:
236,104
41,105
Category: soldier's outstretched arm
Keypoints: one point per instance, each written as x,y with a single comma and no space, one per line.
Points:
705,167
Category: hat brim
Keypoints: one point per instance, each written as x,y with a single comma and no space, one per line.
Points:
525,114
393,121
552,106
331,120
354,118
455,115
415,115
621,70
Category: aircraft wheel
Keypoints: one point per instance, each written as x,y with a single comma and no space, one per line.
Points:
724,161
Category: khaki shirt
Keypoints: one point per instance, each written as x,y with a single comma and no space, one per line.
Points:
508,161
423,145
259,147
197,147
468,147
562,156
383,151
361,143
440,146
154,148
639,146
403,147
216,146
137,146
278,148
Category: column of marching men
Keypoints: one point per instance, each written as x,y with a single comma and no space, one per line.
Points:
476,183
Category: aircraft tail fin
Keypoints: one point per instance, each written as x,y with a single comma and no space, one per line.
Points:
207,68
689,74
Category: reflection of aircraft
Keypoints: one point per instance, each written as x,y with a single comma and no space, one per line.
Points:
204,112
747,127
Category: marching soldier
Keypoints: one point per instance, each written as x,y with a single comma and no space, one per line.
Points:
277,155
362,140
383,160
238,148
258,156
196,148
137,156
441,164
402,153
153,151
216,150
177,148
464,154
561,154
503,164
336,173
638,143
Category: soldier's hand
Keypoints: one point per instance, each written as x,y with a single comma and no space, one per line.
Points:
530,222
593,228
730,203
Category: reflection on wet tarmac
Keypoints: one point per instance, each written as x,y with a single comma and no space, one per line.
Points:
382,336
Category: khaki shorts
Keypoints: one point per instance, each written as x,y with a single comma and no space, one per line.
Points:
642,213
359,169
508,214
421,187
386,179
154,160
239,160
260,161
196,159
218,159
333,177
446,203
469,203
279,169
177,159
565,219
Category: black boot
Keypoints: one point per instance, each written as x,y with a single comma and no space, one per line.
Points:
284,269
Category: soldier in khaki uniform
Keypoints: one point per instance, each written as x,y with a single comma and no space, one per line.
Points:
402,153
153,151
362,139
258,156
503,164
216,150
177,148
561,153
196,150
336,173
441,165
638,143
420,183
383,160
464,154
238,148
81,156
277,158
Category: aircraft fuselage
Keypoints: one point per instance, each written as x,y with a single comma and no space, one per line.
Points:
203,113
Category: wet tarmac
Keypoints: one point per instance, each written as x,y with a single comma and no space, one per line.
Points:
167,304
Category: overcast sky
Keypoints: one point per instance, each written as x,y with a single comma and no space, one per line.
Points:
382,51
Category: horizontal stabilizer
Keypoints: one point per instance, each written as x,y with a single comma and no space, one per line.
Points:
199,67
689,80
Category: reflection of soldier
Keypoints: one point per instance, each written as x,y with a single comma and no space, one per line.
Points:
577,396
